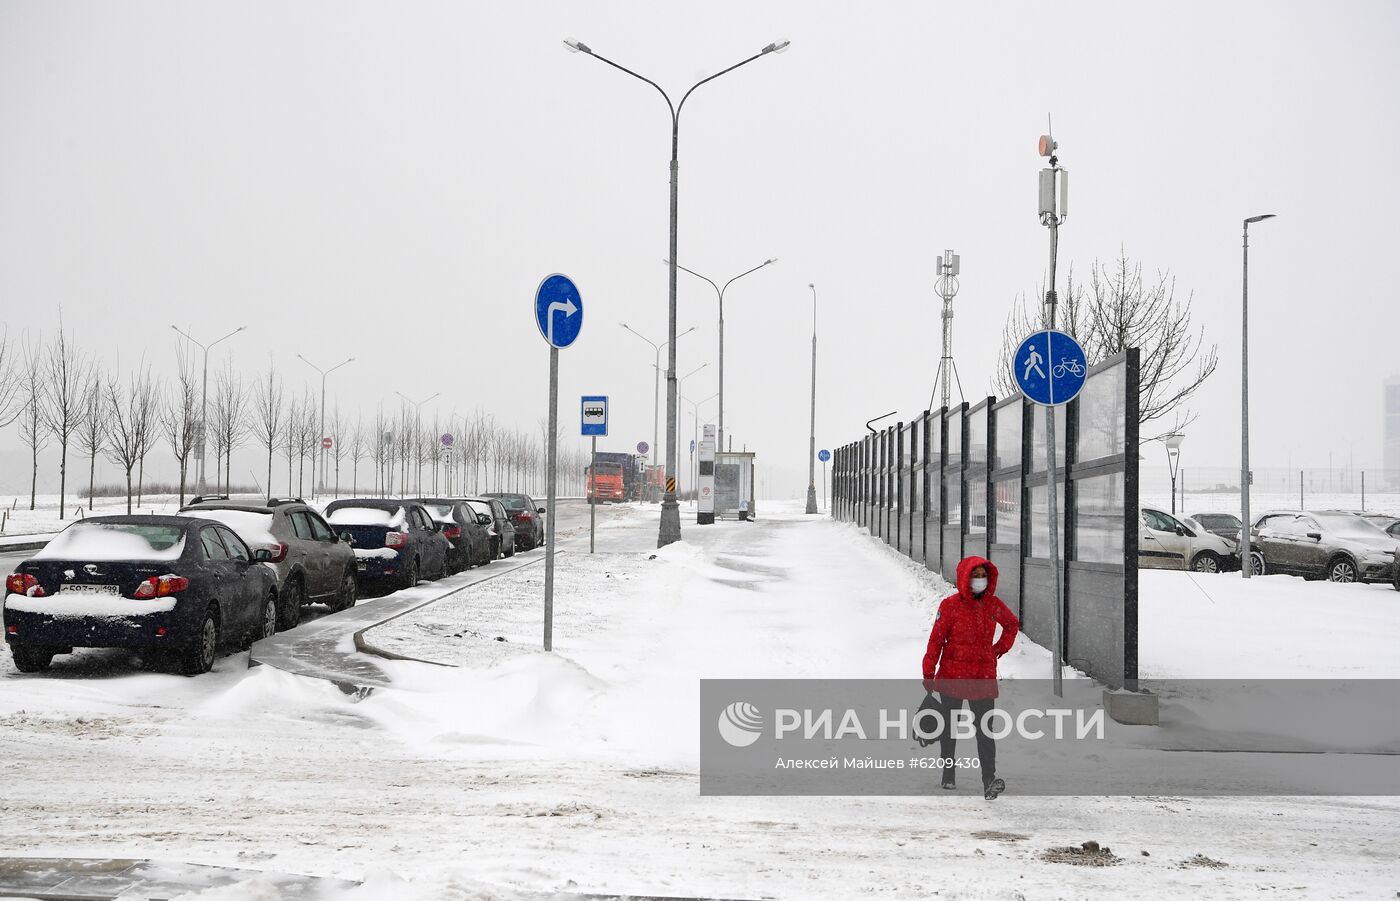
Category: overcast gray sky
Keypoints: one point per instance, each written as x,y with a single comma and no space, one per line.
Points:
392,181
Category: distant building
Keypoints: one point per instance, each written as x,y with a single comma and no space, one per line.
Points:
1390,454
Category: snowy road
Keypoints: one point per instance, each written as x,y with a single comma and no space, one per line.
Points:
576,771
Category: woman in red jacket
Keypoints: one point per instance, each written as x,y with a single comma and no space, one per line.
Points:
961,662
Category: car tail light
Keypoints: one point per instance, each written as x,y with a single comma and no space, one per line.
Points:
13,630
395,539
452,531
160,586
26,584
279,552
524,515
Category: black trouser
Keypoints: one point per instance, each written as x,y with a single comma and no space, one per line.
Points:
986,745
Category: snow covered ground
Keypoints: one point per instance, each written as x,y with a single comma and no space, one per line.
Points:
575,771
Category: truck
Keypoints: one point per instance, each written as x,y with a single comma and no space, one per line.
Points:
605,482
611,466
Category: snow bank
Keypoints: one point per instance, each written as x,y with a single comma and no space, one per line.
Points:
252,527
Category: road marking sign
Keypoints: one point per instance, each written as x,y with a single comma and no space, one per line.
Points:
1050,368
558,310
594,420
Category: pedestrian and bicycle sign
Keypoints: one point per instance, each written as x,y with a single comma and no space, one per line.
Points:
558,310
643,447
594,419
447,439
1050,368
823,455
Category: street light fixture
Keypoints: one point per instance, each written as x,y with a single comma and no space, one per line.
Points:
812,437
202,487
670,529
1246,564
695,442
655,387
1173,443
720,293
324,373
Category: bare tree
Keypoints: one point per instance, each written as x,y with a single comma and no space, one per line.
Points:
32,430
307,440
128,409
1119,310
92,436
12,379
266,421
180,416
66,383
338,449
147,424
358,447
289,441
228,421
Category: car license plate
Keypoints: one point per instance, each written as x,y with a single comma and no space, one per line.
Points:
92,589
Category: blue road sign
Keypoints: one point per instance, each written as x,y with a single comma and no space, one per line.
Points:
595,417
692,445
1050,368
558,310
643,447
823,455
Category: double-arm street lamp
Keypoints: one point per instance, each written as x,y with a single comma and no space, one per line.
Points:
1246,564
719,292
670,530
204,400
680,390
812,436
695,406
655,386
417,436
322,439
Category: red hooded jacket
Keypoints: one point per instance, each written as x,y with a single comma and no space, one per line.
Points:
961,660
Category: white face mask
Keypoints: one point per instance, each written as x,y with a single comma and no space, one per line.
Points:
979,586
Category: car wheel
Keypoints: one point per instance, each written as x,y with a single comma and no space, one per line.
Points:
1206,562
410,574
31,658
1256,564
1341,570
349,592
267,623
293,596
197,656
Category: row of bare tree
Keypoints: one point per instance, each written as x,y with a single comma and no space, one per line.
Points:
62,397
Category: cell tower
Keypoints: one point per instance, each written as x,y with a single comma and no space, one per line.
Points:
947,288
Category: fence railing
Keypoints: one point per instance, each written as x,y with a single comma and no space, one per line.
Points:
972,479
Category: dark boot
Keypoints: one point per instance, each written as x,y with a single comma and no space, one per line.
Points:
993,788
950,781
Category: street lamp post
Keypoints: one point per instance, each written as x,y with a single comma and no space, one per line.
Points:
1173,443
417,429
324,373
670,530
202,487
695,406
812,436
655,387
680,390
1245,562
719,292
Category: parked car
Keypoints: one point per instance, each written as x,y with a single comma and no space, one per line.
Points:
392,540
314,565
1340,547
527,516
1165,542
502,530
1226,525
465,528
177,587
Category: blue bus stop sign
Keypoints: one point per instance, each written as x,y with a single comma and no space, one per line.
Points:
558,310
1050,368
823,455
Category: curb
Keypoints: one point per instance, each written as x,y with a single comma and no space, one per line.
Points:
363,645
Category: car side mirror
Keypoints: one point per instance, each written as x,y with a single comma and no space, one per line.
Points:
539,509
1315,536
347,538
482,519
262,555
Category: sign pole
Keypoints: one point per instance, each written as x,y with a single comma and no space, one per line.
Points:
592,491
549,503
